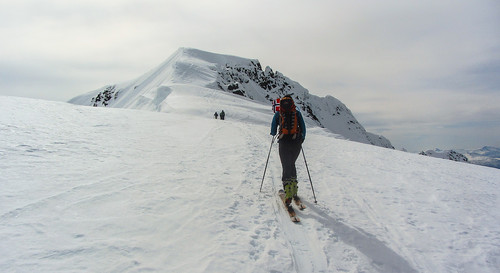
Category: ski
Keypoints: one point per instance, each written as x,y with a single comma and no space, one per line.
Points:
289,209
299,204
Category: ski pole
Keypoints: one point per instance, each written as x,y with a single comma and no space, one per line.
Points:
264,175
307,168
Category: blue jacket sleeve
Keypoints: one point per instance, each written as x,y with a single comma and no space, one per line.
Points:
274,124
302,125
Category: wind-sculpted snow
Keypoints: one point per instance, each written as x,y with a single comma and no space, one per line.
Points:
89,189
235,75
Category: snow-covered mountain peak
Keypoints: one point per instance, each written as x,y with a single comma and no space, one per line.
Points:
200,73
214,58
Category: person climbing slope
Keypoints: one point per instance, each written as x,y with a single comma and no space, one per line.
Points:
292,132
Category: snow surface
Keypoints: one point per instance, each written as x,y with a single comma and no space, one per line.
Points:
118,190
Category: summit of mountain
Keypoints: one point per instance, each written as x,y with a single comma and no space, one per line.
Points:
200,73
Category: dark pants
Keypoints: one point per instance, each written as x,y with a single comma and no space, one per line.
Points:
289,152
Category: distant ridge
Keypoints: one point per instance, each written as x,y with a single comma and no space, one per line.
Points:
446,154
487,156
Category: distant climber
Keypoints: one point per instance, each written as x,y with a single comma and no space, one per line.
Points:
216,115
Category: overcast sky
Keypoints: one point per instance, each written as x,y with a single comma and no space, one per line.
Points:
423,73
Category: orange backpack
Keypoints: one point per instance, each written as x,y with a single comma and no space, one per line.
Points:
289,124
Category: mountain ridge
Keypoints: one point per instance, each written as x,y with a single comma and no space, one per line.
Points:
486,156
231,74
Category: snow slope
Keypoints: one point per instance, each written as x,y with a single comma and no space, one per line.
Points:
195,69
118,190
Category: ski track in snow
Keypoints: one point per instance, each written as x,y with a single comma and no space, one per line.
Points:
114,190
303,251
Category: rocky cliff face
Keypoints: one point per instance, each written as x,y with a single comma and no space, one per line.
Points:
251,81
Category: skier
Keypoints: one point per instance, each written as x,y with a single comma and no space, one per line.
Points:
216,115
222,115
292,132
